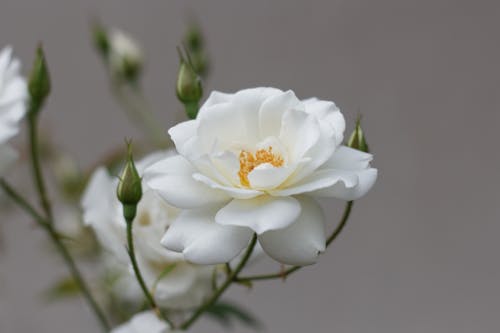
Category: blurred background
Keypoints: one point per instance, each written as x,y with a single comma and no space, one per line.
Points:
420,253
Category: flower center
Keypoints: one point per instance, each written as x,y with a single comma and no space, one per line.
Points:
249,161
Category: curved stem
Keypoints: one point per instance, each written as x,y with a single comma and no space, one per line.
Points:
22,202
138,274
36,168
48,221
283,275
231,278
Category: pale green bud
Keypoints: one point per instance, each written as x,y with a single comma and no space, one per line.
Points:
39,81
129,191
188,87
357,139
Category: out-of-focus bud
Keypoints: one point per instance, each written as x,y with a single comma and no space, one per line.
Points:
357,139
189,88
195,45
129,191
194,39
39,81
125,55
101,41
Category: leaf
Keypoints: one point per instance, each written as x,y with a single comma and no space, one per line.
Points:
64,288
226,313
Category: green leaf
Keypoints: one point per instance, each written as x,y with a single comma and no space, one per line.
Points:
64,288
226,313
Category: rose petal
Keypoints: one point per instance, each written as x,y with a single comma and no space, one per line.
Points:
172,179
327,112
340,190
319,180
346,158
299,132
202,241
302,241
272,110
234,192
260,214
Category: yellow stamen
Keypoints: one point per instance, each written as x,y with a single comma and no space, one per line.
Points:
249,161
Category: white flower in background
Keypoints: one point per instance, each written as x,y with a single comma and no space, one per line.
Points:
186,285
144,322
13,95
253,161
124,53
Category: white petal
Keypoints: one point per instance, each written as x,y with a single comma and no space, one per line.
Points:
366,180
302,241
299,132
216,97
5,56
182,133
220,128
100,211
260,214
172,178
142,322
272,110
346,158
319,180
202,241
265,176
351,161
329,113
234,192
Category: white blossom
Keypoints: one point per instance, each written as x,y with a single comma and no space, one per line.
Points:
13,95
186,285
144,322
253,162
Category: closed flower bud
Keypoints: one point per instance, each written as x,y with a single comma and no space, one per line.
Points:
39,81
188,88
129,191
195,45
357,139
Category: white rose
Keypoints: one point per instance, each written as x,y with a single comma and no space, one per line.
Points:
144,322
252,162
187,285
13,95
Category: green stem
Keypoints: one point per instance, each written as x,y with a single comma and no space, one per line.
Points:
232,277
283,275
22,202
48,221
36,168
138,274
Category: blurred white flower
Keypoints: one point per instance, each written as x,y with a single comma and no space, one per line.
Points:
144,322
125,54
186,285
252,162
13,95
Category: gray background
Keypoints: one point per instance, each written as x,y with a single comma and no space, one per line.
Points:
420,253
